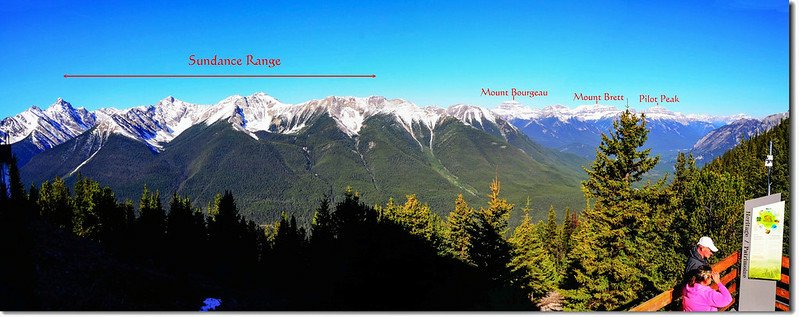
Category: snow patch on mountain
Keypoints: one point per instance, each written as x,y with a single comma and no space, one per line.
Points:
510,110
157,125
47,128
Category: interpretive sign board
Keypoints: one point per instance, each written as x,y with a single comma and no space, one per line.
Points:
755,294
765,251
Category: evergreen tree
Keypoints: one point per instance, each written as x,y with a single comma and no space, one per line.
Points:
150,227
33,195
718,213
232,240
459,220
54,203
489,250
551,237
185,232
352,218
618,253
745,162
86,220
322,226
414,217
111,217
566,232
532,260
17,189
684,202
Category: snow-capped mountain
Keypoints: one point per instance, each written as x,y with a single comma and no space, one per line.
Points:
276,154
382,146
158,124
514,110
570,130
47,128
724,138
578,130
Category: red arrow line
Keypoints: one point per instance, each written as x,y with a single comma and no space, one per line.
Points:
210,76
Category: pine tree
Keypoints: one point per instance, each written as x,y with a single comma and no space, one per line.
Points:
352,218
683,202
717,213
551,237
618,253
532,260
150,227
459,220
17,189
415,217
33,195
498,211
86,220
111,217
489,250
54,203
322,226
566,236
185,232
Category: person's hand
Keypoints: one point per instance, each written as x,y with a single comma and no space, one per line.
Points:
715,277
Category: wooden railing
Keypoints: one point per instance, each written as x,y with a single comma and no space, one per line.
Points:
783,300
728,278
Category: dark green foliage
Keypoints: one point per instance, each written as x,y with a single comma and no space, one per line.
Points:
489,250
185,233
567,229
551,236
708,203
746,163
86,220
533,261
150,226
354,259
54,203
18,272
227,233
322,228
17,188
617,256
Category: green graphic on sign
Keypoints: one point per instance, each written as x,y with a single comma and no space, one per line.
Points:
767,221
766,247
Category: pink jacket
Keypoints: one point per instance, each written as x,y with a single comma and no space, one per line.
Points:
703,298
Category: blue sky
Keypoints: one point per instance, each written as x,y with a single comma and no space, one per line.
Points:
719,57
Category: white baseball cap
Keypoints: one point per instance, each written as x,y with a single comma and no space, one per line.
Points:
707,242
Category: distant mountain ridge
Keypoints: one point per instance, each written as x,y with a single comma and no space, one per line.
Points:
280,157
158,124
569,130
281,154
724,138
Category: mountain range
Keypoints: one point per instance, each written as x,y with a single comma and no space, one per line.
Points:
282,157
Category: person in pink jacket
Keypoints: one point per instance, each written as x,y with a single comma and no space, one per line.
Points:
697,294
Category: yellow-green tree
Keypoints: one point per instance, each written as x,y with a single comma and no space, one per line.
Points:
533,260
458,223
415,217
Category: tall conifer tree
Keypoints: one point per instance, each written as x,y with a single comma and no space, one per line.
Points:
618,250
